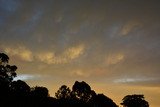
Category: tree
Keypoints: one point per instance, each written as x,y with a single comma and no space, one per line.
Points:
134,101
63,93
3,58
7,72
82,91
100,100
19,88
39,92
39,96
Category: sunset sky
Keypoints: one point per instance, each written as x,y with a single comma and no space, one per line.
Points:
113,45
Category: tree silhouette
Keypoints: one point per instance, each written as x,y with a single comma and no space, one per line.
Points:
100,100
63,93
19,88
7,72
81,91
3,58
134,101
40,92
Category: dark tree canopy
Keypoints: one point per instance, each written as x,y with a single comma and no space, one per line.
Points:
4,58
19,87
100,100
81,91
7,72
81,95
63,93
40,92
134,101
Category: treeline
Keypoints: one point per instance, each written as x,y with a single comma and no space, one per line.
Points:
20,94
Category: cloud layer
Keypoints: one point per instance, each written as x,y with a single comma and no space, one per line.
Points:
101,40
93,37
65,57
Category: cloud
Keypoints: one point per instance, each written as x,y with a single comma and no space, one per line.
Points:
114,58
74,52
129,27
65,57
22,52
129,80
145,81
9,6
50,58
79,73
28,77
123,41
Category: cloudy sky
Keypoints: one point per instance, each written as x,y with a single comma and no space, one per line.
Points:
114,45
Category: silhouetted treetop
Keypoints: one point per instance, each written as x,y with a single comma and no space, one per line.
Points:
4,58
134,101
63,93
100,100
19,87
82,91
82,95
40,92
7,72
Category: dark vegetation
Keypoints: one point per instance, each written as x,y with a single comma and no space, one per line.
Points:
20,94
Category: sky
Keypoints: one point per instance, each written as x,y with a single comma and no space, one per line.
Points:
113,45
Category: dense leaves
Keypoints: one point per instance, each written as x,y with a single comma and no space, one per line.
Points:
8,72
3,58
134,101
82,91
63,93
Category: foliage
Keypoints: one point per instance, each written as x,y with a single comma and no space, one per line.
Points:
7,72
100,100
134,101
63,93
81,91
40,92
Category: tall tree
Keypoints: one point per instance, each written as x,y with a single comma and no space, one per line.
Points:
82,91
7,72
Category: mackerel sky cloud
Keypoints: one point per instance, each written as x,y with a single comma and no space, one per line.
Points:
103,42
